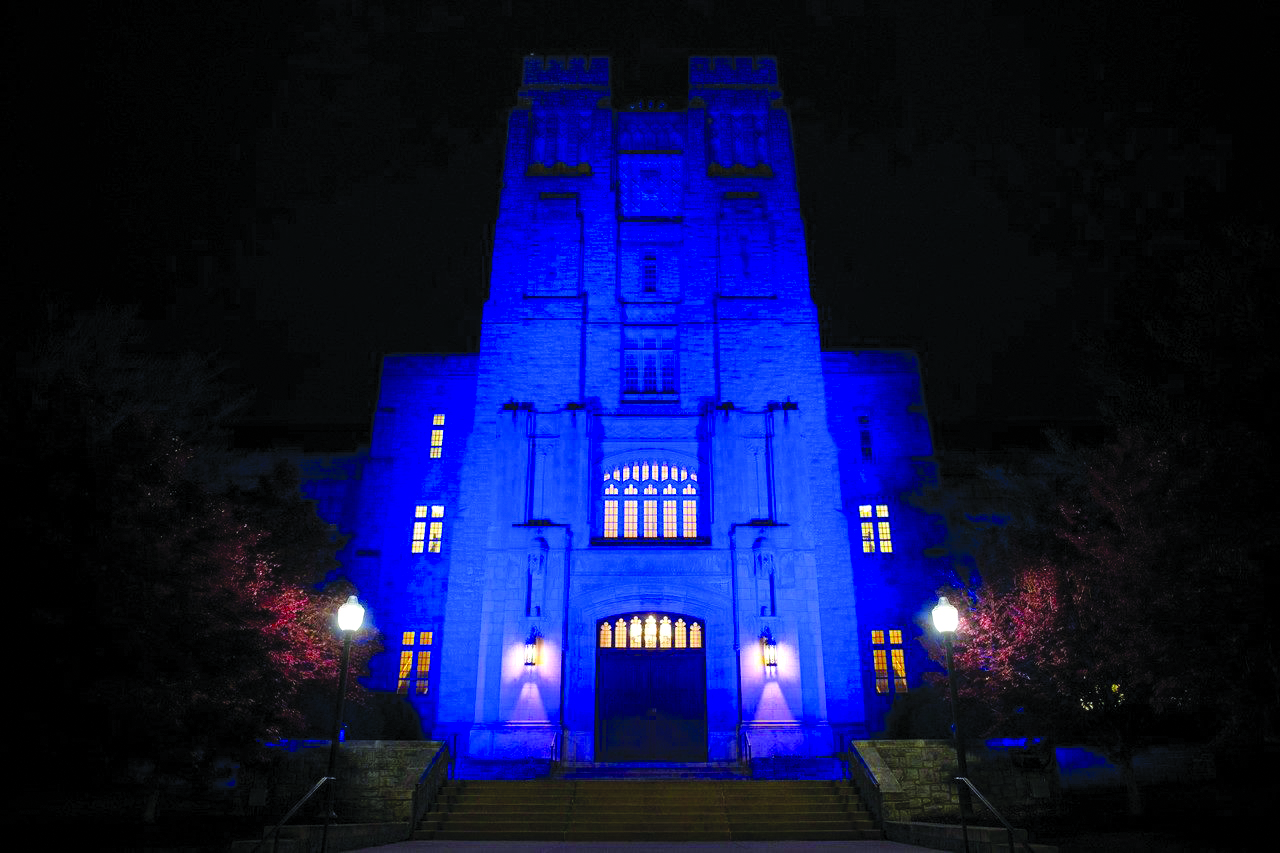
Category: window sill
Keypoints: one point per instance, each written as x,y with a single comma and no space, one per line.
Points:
674,541
650,397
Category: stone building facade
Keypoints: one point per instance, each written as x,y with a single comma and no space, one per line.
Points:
651,519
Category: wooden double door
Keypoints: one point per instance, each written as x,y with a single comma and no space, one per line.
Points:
651,705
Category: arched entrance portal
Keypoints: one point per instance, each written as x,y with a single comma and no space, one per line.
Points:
651,688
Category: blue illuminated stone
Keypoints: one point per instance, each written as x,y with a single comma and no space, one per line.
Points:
650,429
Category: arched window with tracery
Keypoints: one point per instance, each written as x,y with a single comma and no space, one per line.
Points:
650,500
650,631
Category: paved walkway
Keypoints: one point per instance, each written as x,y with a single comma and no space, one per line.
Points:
646,846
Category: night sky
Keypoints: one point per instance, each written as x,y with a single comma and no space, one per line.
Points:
304,186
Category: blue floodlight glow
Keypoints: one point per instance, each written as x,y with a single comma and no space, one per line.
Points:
649,430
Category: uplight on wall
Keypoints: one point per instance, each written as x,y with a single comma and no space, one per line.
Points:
769,650
531,647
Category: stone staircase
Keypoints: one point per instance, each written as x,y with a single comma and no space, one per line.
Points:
647,810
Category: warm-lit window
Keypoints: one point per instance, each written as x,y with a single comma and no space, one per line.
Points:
669,528
659,501
415,662
885,655
649,361
437,436
611,517
649,631
428,535
419,529
874,519
629,527
436,532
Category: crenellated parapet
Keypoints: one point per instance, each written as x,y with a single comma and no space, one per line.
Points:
590,71
733,71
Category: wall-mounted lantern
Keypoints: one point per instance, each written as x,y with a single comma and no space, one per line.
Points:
769,650
531,647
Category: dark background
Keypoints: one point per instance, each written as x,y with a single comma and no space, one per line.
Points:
306,185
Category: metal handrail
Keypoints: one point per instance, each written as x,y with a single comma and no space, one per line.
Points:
275,830
439,770
871,774
964,828
744,751
872,795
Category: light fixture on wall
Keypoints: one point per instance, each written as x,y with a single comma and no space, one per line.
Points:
531,647
769,650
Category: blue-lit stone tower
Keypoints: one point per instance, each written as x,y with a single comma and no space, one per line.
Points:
589,538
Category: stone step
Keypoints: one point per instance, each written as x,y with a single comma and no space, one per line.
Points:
650,834
647,810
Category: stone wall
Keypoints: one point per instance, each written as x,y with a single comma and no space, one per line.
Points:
913,777
375,779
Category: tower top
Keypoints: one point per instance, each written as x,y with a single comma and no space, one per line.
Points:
566,71
733,71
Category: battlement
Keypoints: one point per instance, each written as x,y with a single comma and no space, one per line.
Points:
566,70
733,71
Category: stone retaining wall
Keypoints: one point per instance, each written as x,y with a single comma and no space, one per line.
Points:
375,778
913,777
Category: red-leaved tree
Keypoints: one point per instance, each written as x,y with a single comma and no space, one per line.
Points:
1086,630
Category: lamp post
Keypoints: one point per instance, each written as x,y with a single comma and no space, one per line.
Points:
350,617
946,619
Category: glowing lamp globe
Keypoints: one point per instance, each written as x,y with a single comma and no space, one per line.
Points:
350,615
945,617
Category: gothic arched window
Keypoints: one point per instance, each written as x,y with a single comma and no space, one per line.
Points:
652,500
650,631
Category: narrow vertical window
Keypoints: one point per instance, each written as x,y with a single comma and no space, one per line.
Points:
611,519
437,436
876,533
669,528
664,633
682,636
695,636
882,529
690,519
886,655
436,531
629,526
419,530
635,632
651,633
864,437
606,635
649,272
651,519
415,662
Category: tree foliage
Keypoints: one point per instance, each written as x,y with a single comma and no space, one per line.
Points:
171,621
1125,582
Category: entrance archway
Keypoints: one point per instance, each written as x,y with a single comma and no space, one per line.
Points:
651,688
